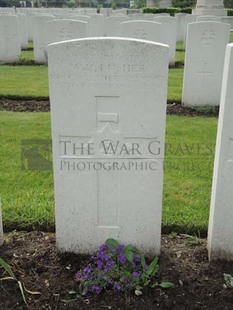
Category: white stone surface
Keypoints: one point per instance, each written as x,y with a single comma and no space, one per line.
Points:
83,18
206,18
30,25
9,39
106,11
168,35
1,226
64,29
142,29
220,241
180,37
204,59
108,92
23,30
39,37
97,25
209,7
227,20
113,28
188,19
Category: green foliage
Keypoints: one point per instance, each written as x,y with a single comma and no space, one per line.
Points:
12,277
183,3
118,267
172,11
228,3
230,12
138,4
228,280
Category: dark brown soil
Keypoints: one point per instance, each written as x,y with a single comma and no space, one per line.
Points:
42,105
183,261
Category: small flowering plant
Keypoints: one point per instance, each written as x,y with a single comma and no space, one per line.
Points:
118,267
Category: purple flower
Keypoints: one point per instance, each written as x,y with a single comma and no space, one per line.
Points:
117,286
78,275
122,258
120,247
107,269
137,259
96,289
99,264
146,267
136,274
88,269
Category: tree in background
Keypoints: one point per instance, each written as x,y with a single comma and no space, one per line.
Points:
228,4
184,3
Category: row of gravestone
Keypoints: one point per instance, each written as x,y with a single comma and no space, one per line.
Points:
205,46
108,108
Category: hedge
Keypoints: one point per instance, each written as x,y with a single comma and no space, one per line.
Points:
172,11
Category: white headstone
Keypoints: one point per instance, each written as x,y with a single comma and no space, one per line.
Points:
97,25
180,37
39,37
64,29
82,18
205,50
220,241
210,7
30,25
106,11
142,29
23,30
206,18
188,19
9,39
227,20
1,226
113,28
168,36
108,141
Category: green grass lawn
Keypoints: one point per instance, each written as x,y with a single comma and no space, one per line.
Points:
27,55
32,81
27,196
24,81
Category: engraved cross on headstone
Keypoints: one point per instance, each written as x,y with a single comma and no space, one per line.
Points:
204,74
107,181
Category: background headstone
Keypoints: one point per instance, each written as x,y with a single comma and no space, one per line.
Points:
168,34
39,37
108,91
180,34
142,29
113,27
206,18
205,51
9,39
220,232
64,29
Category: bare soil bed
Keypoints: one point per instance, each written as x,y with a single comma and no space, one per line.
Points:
43,105
183,261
